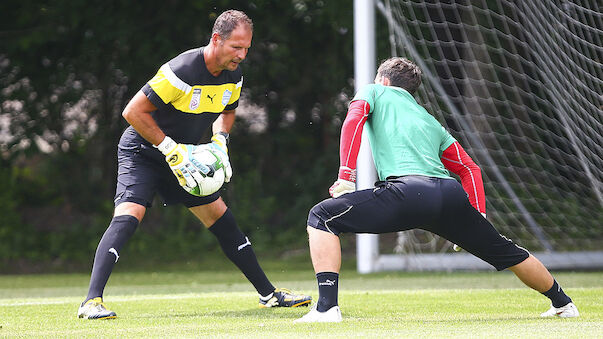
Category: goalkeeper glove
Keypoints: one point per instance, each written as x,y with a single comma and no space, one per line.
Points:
218,145
180,158
346,182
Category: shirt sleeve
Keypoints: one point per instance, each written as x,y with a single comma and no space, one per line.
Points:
457,161
165,87
367,94
447,140
351,134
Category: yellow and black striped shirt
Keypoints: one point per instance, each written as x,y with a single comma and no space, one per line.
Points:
189,98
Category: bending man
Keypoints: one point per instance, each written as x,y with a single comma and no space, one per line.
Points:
413,154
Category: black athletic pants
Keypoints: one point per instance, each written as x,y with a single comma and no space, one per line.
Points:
434,204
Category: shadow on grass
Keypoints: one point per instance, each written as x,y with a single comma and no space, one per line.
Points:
249,314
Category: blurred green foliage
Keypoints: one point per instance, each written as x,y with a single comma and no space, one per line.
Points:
67,69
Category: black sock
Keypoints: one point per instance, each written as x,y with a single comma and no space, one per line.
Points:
557,296
327,290
237,248
107,253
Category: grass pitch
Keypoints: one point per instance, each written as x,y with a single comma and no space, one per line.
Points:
222,304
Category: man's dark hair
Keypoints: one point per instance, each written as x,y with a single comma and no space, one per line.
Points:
228,21
401,72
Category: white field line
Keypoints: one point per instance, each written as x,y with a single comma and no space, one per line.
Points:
138,297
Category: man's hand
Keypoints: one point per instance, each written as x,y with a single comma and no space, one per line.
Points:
218,145
186,169
346,182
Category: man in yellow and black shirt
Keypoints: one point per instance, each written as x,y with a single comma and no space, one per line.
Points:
195,90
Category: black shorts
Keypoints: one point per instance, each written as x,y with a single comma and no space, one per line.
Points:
142,172
437,205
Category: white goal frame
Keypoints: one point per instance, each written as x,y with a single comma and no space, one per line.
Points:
367,245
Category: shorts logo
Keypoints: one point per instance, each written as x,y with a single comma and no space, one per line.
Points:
226,97
195,99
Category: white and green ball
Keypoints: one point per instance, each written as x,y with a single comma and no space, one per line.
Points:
214,178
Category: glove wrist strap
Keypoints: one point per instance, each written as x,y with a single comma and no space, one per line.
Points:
225,135
167,145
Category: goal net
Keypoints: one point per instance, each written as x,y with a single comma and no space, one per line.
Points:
519,84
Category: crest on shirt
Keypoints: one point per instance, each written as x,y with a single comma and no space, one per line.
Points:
226,97
195,99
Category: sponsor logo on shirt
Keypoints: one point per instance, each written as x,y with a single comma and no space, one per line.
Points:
195,99
226,97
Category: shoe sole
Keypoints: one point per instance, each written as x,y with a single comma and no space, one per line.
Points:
100,318
303,303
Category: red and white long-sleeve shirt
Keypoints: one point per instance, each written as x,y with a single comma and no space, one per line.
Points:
453,158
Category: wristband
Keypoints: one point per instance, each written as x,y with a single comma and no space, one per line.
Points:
347,173
225,135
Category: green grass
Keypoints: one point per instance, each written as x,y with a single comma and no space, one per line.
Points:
222,304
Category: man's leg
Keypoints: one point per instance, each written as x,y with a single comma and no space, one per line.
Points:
219,220
125,221
466,227
535,275
237,247
325,251
380,210
481,239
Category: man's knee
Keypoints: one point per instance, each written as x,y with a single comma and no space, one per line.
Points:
315,219
329,215
130,208
208,214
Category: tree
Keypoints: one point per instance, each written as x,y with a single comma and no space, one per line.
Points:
69,67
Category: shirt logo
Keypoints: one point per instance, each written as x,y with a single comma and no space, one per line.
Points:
195,99
226,97
211,98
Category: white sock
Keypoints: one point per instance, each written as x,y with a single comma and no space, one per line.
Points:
266,298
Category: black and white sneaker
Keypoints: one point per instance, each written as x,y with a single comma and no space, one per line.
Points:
95,309
282,297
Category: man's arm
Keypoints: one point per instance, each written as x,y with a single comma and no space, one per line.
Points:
457,161
138,114
351,133
349,146
224,122
219,141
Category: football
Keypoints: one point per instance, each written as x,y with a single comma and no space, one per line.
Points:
214,178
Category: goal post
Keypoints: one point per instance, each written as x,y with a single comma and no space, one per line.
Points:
367,245
519,85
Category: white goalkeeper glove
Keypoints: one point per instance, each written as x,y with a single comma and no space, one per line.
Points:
180,158
458,248
218,144
346,182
